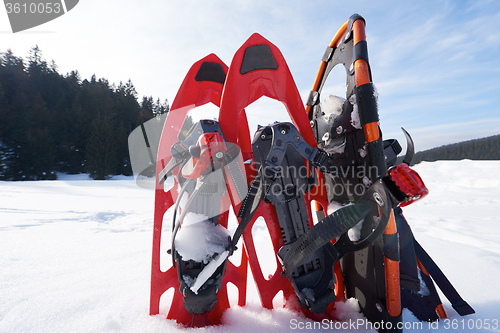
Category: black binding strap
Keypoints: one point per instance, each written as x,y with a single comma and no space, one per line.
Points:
360,51
367,103
248,208
259,187
322,233
458,303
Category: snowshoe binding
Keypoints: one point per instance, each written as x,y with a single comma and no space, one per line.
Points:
201,245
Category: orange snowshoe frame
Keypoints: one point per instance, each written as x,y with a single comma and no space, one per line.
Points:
354,30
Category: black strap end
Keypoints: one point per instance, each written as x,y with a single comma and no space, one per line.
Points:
463,308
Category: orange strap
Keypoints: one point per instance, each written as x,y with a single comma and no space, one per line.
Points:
392,282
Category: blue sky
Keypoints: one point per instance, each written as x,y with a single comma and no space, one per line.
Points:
435,63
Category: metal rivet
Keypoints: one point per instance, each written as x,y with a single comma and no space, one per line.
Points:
378,199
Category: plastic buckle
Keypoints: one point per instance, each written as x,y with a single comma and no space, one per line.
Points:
271,172
179,151
319,159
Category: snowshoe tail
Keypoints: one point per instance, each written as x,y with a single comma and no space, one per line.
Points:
203,84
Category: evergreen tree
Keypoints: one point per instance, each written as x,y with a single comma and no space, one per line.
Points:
3,111
15,138
160,108
124,166
480,149
12,74
52,122
38,155
3,129
186,126
101,153
147,103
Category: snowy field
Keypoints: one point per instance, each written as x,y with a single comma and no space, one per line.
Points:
75,255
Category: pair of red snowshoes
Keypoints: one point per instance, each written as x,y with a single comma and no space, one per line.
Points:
284,174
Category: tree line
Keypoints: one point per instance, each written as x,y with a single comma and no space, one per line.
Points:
479,149
52,123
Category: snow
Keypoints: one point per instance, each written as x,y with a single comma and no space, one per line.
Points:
355,120
76,255
199,239
332,107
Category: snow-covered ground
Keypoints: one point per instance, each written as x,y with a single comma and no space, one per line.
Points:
75,254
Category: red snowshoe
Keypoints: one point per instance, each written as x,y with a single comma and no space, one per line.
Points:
197,303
